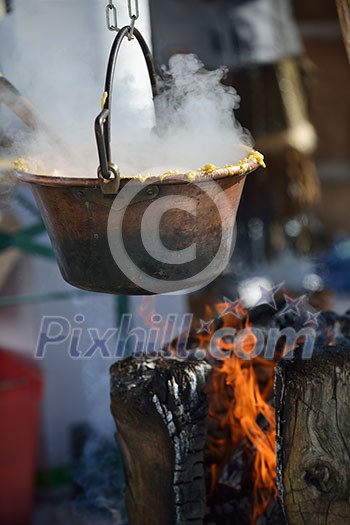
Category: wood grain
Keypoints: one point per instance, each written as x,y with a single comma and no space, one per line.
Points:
313,437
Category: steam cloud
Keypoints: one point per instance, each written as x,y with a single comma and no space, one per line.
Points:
195,119
195,123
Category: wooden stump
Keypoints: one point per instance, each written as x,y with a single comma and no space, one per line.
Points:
160,410
313,437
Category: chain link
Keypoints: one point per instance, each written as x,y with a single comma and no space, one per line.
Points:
112,16
133,8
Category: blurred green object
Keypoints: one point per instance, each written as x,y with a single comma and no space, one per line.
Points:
55,477
15,300
23,240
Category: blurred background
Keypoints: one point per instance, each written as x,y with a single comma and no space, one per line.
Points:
288,63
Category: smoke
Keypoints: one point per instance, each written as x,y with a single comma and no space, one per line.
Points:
99,479
63,74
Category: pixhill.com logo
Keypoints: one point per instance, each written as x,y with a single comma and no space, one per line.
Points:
246,342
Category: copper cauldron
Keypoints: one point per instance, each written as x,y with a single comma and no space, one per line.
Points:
97,227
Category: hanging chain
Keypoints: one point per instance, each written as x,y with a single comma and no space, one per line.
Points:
133,8
112,16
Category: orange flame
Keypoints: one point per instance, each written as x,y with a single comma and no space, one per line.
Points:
239,409
239,396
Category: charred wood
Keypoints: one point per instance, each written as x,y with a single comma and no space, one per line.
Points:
160,410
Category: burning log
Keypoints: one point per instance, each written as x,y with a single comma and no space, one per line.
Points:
160,409
313,437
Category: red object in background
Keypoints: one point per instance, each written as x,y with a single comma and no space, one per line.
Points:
20,392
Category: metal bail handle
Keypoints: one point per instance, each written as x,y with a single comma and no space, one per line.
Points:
108,172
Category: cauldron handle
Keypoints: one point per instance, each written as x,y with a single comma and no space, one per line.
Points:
107,171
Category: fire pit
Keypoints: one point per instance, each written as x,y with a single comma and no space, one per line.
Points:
183,422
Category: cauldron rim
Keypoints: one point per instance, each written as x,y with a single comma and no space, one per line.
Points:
243,167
